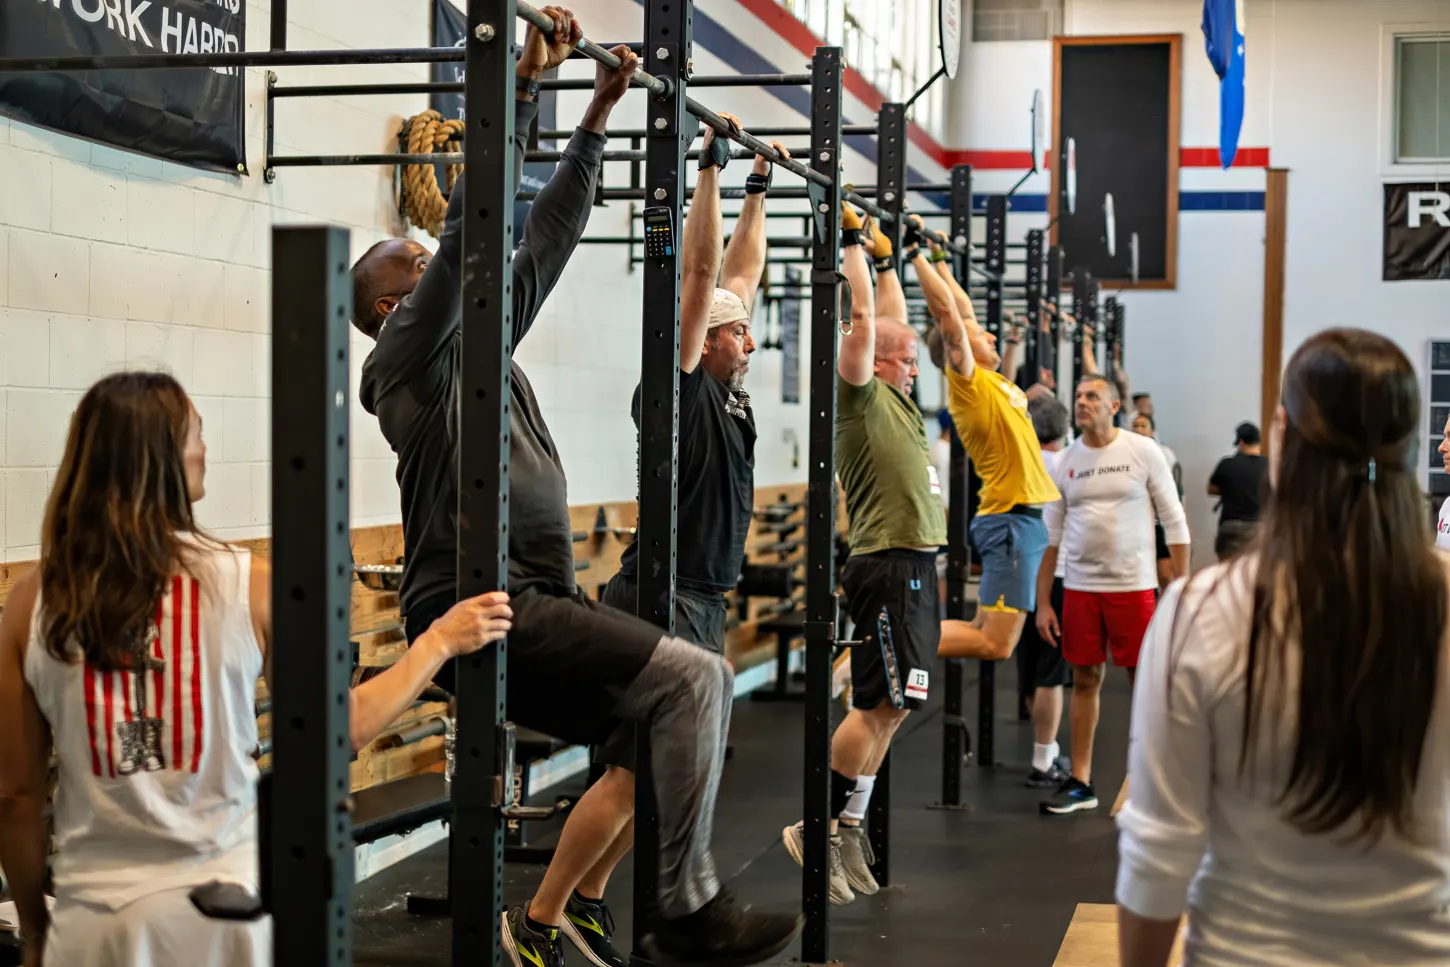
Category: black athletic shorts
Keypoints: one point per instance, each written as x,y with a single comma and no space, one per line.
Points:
699,619
1039,664
903,584
569,660
1160,537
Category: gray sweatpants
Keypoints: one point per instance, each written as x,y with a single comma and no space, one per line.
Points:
684,695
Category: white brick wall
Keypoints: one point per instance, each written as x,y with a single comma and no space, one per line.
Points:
110,259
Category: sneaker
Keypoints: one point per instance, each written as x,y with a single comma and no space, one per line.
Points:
530,948
1054,775
795,844
1072,796
590,927
722,933
1047,779
856,859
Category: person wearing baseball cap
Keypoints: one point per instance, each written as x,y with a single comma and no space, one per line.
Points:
1238,482
716,465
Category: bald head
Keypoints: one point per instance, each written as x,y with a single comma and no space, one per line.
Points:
896,349
893,336
381,278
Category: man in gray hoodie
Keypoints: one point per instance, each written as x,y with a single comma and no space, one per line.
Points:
576,668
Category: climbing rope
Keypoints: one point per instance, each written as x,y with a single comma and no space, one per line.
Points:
421,201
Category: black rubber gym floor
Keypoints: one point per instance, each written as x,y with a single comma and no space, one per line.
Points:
994,886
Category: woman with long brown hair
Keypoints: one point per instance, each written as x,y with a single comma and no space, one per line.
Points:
1290,747
133,651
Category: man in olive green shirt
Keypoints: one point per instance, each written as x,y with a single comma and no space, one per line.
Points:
893,498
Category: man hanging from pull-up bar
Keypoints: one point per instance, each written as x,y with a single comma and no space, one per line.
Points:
716,477
893,499
576,668
990,412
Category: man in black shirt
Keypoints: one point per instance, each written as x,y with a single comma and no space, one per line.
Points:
716,461
1238,482
576,668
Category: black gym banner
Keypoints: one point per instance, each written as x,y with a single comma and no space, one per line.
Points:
449,28
191,115
1417,231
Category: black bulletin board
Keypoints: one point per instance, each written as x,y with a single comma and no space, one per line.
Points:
1118,98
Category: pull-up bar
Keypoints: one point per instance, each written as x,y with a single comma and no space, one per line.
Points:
587,47
554,134
658,87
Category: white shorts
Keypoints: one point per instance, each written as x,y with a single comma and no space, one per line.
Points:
160,930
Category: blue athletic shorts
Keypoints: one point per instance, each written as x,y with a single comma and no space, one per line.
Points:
1011,546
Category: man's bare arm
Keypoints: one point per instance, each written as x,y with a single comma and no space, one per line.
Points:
700,249
857,358
890,298
1120,376
1012,351
944,269
745,255
943,309
1089,357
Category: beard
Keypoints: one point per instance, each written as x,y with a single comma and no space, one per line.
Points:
737,380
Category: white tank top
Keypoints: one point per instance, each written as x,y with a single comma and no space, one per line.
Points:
157,786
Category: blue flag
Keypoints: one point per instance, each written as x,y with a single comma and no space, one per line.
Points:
1224,42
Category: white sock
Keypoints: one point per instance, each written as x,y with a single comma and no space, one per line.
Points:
856,806
1043,756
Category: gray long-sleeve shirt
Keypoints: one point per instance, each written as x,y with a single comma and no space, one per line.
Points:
410,381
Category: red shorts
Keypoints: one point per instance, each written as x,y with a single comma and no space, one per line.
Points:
1095,621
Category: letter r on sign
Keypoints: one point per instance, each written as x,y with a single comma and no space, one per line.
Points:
1436,204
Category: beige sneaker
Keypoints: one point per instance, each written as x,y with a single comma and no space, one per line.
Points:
795,845
856,860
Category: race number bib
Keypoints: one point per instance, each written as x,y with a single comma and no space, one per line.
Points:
931,475
918,684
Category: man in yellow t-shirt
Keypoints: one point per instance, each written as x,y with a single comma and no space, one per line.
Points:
990,413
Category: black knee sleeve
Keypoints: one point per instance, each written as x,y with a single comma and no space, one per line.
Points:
841,789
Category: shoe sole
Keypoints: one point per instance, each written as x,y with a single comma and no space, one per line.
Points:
577,939
797,853
661,959
1065,810
862,889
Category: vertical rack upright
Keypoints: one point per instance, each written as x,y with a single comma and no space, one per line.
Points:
1038,354
1082,306
1055,261
667,34
996,264
476,840
820,626
891,196
956,740
308,872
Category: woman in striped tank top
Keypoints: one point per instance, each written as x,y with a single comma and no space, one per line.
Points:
133,652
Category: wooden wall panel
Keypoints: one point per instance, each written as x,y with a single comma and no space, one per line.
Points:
377,629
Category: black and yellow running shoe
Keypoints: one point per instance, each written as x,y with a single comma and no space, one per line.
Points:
527,947
590,926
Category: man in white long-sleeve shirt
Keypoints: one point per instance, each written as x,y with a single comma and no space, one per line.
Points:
1114,484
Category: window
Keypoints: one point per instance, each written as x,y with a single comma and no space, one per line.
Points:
891,44
1422,99
1001,20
